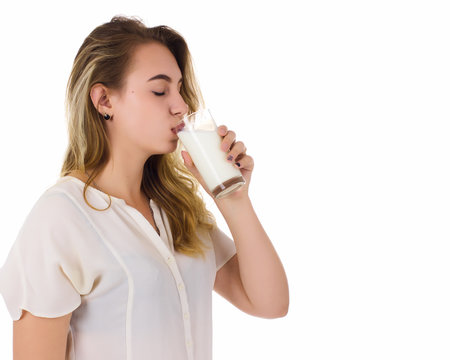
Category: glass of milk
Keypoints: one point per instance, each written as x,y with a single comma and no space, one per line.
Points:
200,139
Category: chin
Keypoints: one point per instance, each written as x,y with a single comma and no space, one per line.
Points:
169,148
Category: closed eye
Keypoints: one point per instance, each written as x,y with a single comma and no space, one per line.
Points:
162,93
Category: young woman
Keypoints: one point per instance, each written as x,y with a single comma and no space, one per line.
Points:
118,259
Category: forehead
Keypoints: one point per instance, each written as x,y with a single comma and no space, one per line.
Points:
152,59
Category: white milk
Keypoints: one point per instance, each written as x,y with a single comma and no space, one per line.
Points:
204,148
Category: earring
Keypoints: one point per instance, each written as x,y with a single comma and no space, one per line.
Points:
106,116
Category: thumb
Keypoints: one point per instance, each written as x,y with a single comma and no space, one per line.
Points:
187,159
193,169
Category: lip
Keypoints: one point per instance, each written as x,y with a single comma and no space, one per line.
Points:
178,127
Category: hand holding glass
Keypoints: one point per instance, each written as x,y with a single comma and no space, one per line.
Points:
200,139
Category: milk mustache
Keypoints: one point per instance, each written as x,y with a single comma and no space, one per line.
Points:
204,148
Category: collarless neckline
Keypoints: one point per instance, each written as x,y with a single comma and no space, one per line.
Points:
101,193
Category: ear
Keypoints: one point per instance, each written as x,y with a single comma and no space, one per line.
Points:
100,98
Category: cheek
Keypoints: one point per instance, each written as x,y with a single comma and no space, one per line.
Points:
143,119
136,110
138,106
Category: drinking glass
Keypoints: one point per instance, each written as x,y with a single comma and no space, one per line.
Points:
199,137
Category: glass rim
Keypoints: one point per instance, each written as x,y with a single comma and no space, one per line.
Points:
201,110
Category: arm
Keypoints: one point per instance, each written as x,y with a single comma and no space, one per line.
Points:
254,280
40,338
258,272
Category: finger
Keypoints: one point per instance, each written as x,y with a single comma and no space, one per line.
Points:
236,150
246,162
222,130
228,140
187,158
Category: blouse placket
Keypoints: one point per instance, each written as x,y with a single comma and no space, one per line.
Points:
165,247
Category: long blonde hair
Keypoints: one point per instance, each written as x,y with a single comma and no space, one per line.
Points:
103,58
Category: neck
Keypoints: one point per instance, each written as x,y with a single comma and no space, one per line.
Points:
123,183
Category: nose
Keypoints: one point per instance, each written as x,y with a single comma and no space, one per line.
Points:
179,107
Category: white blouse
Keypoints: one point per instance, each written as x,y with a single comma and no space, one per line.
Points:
132,296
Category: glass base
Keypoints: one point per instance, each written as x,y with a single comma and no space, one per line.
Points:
228,187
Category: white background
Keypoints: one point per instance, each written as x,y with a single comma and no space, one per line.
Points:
344,106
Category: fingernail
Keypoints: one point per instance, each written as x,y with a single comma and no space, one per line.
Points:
230,157
238,165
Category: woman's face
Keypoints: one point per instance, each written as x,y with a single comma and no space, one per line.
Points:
146,110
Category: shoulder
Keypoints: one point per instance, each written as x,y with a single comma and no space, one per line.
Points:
68,186
55,213
55,203
67,194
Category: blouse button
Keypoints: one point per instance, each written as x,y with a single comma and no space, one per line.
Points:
188,343
180,286
186,315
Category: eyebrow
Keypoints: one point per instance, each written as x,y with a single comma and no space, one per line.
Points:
163,77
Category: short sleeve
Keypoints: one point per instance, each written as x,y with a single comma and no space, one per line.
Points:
224,247
43,272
